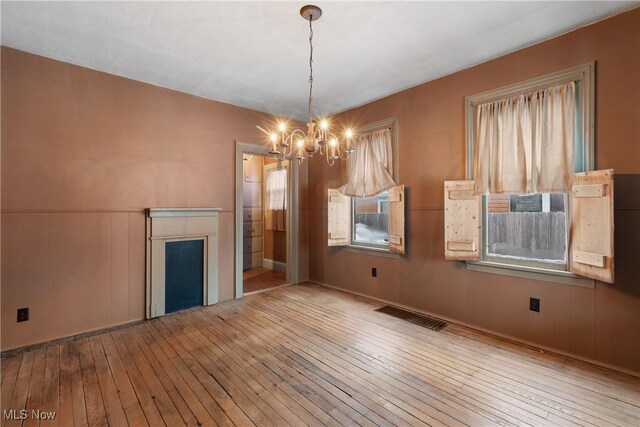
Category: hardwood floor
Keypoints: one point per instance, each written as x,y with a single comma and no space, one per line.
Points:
307,355
260,278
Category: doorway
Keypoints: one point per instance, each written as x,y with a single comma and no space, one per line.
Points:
266,223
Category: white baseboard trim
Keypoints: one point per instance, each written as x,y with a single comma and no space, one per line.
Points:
274,265
541,348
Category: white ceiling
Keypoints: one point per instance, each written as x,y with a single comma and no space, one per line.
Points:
255,54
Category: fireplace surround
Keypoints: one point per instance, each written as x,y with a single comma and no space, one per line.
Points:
164,225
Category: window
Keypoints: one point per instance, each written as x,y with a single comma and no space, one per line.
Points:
276,189
518,159
371,221
275,207
375,221
527,230
341,231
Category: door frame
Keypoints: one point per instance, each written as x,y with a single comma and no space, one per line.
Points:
243,148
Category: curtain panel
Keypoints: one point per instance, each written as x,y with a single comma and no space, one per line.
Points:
525,144
370,167
276,200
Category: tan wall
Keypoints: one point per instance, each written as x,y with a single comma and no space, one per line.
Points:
275,245
83,154
601,324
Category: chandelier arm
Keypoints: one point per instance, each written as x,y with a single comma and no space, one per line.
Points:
347,155
286,144
300,135
296,132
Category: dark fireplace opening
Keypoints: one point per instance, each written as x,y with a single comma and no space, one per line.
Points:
184,274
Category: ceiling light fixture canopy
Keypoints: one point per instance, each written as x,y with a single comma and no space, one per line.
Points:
318,138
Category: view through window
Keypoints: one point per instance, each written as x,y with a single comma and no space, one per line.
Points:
527,229
371,220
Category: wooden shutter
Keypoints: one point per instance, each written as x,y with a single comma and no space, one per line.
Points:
396,219
591,236
461,221
339,218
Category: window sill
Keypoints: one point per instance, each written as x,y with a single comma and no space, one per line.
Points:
367,250
555,276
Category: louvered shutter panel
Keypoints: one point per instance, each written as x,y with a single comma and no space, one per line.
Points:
338,218
461,221
396,219
591,236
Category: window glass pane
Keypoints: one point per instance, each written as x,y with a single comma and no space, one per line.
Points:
527,228
370,218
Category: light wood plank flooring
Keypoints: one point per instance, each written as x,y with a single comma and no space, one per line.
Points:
261,278
306,355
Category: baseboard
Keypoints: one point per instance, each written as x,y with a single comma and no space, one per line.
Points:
274,265
535,346
268,289
59,339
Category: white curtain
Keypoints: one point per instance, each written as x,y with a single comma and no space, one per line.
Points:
370,167
525,144
276,199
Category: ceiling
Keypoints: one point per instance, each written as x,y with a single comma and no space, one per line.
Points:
255,54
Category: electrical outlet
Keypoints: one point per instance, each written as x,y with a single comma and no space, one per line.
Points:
534,304
23,314
374,272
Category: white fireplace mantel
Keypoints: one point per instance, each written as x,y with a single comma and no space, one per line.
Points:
174,225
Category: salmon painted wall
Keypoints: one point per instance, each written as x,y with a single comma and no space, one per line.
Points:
83,154
601,324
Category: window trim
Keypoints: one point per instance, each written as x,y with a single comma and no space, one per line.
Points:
542,274
584,76
373,251
391,123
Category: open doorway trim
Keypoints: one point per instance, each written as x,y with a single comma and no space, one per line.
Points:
292,214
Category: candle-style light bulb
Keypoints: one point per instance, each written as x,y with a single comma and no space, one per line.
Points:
300,145
273,137
347,143
334,144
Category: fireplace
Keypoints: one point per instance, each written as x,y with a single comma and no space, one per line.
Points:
182,259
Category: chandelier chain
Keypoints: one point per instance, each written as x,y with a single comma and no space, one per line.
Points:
310,65
318,138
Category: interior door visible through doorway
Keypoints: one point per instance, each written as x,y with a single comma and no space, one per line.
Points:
265,211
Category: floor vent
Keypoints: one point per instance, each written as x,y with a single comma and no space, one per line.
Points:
417,319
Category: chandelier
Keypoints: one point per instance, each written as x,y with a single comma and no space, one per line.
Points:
318,137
